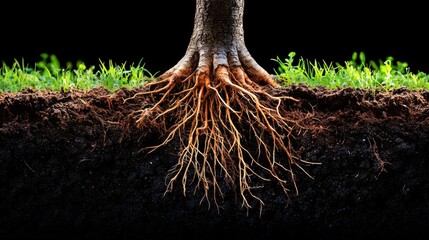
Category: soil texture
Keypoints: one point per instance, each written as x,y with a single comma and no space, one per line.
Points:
73,165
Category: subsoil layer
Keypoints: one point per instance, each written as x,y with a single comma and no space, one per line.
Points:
73,165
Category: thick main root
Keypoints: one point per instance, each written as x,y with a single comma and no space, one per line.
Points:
215,116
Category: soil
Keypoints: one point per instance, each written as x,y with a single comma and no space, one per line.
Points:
73,165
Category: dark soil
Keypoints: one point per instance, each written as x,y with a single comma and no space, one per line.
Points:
73,165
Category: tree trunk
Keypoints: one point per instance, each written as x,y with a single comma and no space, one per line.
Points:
218,31
218,40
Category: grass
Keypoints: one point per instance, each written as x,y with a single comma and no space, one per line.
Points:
356,73
48,74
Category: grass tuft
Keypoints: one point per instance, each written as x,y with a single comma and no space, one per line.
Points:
356,73
47,74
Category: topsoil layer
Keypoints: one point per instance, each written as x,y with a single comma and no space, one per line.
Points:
72,165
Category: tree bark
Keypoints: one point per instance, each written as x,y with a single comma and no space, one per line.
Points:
218,40
218,31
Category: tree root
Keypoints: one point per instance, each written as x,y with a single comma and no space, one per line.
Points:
214,115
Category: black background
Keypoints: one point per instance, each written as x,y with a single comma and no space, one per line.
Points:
157,32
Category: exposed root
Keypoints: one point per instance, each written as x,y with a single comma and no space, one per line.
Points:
381,163
230,129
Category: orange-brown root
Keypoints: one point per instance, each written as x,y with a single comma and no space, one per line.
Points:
215,113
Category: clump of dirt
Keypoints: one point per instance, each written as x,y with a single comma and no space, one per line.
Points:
74,164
